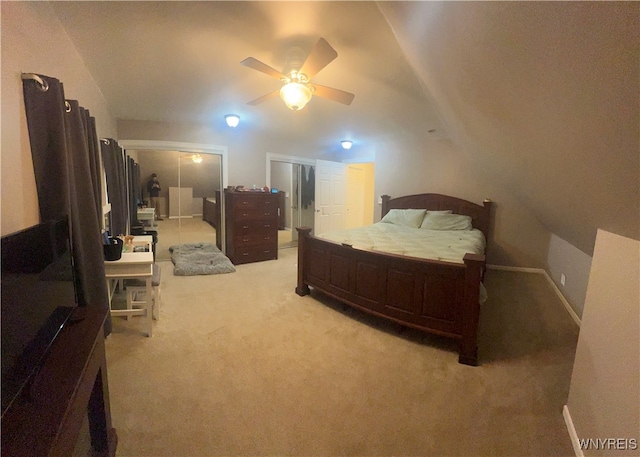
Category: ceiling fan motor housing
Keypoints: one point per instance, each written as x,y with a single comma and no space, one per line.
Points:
295,59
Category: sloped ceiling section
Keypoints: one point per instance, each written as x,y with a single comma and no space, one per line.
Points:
542,96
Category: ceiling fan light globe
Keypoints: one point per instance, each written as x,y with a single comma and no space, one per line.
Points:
232,120
295,95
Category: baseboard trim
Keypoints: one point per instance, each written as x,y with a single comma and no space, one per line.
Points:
572,432
543,272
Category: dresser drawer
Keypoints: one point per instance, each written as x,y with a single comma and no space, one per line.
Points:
246,254
255,239
244,201
245,214
266,238
268,203
251,226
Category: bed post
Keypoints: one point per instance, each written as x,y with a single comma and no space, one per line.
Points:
385,205
302,289
471,309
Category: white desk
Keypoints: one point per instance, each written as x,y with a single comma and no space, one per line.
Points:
133,265
147,214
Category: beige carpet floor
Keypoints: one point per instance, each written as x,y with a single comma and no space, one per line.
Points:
239,365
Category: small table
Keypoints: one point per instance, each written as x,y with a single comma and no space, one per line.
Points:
133,265
147,214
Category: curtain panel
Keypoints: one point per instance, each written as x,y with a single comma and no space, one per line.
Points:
66,165
113,161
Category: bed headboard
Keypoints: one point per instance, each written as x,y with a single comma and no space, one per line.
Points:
480,214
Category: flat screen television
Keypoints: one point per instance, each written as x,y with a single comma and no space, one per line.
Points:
38,297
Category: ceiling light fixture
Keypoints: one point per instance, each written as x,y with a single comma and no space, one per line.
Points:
197,158
295,95
232,120
346,144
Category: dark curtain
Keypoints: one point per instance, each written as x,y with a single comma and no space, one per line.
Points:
64,151
89,123
113,161
133,179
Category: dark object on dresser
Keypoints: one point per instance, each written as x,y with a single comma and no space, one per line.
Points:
430,295
251,220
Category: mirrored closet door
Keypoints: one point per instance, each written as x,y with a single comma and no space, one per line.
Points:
296,185
190,185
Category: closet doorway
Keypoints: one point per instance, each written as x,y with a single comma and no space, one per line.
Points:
294,178
191,178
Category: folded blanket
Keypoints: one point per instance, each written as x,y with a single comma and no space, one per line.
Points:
191,259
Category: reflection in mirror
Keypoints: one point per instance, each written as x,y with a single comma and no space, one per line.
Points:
296,184
185,187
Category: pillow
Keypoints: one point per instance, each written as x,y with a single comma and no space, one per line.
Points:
445,211
444,221
405,217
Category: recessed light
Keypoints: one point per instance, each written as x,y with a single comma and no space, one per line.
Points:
346,144
232,120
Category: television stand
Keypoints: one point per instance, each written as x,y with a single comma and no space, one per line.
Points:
70,386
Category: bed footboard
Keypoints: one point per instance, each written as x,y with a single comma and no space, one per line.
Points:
436,297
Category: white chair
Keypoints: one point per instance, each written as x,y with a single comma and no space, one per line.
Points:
136,294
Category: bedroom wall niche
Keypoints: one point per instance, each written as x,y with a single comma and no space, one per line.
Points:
188,203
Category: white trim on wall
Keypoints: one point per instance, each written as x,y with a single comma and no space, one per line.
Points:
541,271
572,432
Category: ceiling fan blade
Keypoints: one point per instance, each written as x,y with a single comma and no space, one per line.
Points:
264,98
254,63
321,55
336,95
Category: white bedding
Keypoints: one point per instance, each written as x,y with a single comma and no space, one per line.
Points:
445,245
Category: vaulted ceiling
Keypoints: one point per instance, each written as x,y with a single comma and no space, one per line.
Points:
180,62
542,97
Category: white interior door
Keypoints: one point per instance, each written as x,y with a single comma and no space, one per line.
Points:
354,216
330,195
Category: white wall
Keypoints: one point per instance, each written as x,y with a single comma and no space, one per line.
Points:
34,41
604,396
563,258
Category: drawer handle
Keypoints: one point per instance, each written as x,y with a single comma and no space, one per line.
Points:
267,214
245,214
267,251
245,203
245,253
245,226
245,239
267,237
267,225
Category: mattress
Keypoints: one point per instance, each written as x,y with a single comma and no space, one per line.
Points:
444,245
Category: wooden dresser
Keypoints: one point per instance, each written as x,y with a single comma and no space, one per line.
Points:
251,220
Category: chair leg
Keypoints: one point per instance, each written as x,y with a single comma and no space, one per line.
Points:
156,303
130,298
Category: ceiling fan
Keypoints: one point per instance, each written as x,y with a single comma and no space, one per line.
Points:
298,89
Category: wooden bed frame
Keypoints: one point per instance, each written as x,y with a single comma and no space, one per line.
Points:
430,295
